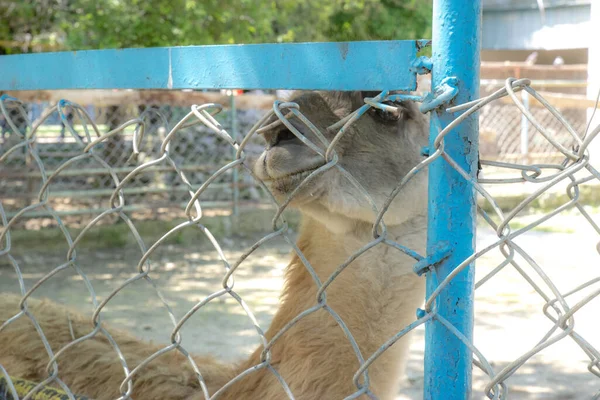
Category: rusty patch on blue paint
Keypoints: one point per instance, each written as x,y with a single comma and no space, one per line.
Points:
343,50
442,252
422,43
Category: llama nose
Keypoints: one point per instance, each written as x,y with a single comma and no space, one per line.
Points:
283,136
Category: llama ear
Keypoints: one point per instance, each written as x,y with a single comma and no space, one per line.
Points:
343,103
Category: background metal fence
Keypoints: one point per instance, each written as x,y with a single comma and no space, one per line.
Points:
505,135
83,191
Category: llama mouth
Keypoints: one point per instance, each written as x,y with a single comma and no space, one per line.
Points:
284,185
297,175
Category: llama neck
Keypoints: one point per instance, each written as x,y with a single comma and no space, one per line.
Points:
327,249
376,296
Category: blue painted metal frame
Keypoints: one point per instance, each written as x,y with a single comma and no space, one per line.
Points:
452,201
369,65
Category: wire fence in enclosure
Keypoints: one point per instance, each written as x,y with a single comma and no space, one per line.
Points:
85,189
561,305
506,135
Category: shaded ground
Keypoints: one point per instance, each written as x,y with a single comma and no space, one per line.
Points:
509,320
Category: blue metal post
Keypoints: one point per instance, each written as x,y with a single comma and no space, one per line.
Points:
452,201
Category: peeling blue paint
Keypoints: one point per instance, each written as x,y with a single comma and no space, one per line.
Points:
422,43
422,65
343,50
441,95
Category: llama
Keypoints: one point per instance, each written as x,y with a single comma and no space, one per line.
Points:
376,295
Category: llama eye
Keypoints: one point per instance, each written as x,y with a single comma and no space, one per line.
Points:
386,116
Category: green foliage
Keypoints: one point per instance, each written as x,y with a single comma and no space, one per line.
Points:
29,24
380,19
93,24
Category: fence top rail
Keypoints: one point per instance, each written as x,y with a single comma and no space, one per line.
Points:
503,65
540,82
368,65
176,98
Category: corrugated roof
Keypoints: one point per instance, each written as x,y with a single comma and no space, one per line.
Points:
524,29
491,5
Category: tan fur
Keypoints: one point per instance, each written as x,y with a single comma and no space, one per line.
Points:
92,367
376,295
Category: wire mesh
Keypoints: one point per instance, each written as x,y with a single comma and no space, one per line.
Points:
560,305
78,193
83,191
506,135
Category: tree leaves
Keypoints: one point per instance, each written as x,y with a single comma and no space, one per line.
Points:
40,25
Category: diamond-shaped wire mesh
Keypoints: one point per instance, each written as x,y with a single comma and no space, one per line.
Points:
85,189
503,129
278,367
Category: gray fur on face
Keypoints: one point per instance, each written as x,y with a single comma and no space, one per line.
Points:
378,150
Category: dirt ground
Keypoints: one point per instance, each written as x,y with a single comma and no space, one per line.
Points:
509,318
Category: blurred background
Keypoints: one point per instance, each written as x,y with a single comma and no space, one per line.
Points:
547,41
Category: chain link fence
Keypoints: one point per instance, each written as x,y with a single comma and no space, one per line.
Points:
90,147
85,189
505,136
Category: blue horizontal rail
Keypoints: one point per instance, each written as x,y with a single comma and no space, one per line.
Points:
368,65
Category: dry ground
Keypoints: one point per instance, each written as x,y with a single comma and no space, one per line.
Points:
509,318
